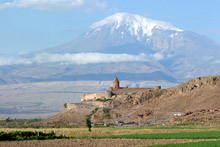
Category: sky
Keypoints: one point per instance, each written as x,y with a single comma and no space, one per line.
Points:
32,25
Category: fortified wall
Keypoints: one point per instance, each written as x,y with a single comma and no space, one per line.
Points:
95,96
100,95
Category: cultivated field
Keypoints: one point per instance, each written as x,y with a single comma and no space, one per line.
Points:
101,143
115,137
100,132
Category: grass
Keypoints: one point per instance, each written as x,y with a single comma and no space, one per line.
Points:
183,135
19,123
192,144
102,132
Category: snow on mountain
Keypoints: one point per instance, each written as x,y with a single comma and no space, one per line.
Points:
136,24
149,45
132,33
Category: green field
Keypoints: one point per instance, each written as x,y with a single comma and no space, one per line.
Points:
192,144
183,135
25,130
12,134
112,132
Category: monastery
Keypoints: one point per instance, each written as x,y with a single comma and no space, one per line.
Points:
114,90
101,95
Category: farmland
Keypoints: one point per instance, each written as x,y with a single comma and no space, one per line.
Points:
109,132
192,144
119,136
182,135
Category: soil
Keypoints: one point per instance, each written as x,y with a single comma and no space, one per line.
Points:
98,142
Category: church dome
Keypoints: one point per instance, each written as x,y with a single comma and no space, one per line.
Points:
116,83
116,80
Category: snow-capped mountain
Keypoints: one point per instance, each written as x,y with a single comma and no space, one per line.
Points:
137,26
127,43
128,33
117,30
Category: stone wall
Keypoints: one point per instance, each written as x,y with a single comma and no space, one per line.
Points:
95,96
76,105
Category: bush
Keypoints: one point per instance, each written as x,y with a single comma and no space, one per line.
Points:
27,135
103,100
65,105
89,123
106,112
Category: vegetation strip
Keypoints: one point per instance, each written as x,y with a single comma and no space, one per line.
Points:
183,135
192,144
27,135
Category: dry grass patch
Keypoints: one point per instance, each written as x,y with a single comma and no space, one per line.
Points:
83,132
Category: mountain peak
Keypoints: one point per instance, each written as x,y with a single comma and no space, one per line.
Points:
135,23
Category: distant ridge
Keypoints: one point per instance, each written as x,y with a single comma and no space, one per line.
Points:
155,76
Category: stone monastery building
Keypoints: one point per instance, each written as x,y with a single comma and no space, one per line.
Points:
101,95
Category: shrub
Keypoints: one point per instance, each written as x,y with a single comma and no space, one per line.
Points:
27,135
106,112
103,100
89,123
65,105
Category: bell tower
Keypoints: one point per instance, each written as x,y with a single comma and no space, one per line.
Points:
116,83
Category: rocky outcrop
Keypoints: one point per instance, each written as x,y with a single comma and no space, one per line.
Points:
209,82
150,105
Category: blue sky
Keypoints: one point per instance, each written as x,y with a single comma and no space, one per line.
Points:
27,26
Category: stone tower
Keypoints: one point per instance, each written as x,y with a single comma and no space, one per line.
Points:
116,83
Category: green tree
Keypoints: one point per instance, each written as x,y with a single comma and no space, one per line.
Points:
88,123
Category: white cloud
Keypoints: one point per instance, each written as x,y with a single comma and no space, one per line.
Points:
12,61
158,56
55,5
81,58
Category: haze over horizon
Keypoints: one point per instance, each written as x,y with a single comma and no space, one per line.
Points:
28,26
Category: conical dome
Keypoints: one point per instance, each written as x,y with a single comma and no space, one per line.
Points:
116,80
116,83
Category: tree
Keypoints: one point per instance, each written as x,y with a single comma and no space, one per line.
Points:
88,123
8,119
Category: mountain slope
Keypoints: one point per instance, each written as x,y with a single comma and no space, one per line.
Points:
127,29
116,30
184,54
125,43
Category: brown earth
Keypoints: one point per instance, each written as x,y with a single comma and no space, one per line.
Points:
194,100
98,142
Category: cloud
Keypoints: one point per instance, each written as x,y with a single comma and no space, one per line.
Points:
158,56
12,61
81,58
55,5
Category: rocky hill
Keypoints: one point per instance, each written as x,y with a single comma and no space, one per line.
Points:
197,99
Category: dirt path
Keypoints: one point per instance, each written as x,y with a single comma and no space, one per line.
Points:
97,142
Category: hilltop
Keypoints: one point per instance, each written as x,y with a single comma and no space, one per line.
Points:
195,100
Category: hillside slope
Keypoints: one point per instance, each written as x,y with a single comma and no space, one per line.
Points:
197,99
